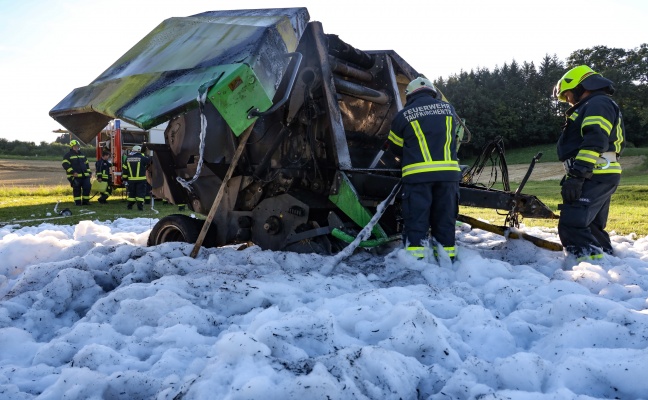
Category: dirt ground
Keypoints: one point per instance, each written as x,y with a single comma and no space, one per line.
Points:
32,173
50,173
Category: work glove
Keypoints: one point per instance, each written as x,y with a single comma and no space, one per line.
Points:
572,188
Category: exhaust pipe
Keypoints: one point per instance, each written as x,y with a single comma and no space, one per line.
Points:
359,91
346,52
350,72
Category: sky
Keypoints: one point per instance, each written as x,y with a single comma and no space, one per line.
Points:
89,312
50,47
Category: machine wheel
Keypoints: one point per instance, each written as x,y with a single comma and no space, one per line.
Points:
174,228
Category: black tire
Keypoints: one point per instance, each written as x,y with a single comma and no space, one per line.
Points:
210,237
174,228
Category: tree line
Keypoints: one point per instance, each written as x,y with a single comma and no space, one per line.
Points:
515,101
47,150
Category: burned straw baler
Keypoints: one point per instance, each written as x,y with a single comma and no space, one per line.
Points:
274,130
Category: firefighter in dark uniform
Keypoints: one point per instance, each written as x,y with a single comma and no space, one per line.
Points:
591,142
134,173
102,172
78,172
423,134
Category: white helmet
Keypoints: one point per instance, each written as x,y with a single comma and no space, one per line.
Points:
137,148
419,84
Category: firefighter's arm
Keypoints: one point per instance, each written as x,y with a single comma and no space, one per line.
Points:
125,172
395,138
395,143
87,167
67,166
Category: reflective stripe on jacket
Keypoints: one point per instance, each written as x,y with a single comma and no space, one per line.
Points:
102,168
75,162
135,167
593,126
425,131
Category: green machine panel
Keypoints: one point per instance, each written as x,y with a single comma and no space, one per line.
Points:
236,93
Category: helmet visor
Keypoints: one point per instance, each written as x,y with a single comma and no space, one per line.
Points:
557,93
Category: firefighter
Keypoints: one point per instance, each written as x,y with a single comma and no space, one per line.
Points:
423,135
134,173
78,172
591,142
102,172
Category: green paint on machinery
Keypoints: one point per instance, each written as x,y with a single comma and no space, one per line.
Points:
237,93
160,76
347,200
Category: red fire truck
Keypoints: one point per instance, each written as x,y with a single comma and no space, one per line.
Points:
119,137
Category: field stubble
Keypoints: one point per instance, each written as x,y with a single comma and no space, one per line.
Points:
38,173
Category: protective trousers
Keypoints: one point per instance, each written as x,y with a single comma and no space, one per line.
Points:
581,226
104,195
136,193
81,190
432,206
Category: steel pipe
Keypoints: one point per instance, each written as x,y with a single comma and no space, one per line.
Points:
359,91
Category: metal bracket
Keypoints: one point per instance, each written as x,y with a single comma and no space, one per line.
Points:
255,112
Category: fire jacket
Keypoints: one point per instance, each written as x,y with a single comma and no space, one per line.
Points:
593,137
102,168
423,132
75,162
135,167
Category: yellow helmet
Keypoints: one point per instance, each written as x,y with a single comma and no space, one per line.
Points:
581,75
74,142
420,83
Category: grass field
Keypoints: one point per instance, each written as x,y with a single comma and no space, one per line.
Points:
34,204
628,210
629,207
